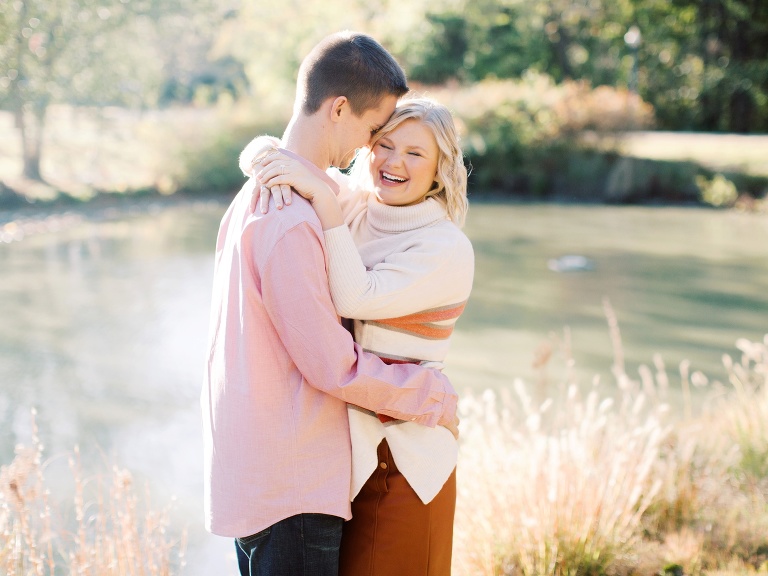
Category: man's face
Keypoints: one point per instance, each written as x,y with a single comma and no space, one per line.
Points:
356,131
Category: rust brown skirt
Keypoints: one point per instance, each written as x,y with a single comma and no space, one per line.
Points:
392,533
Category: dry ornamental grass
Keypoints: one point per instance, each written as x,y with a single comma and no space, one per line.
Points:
111,533
612,482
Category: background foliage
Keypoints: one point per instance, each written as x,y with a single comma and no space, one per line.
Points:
95,53
532,81
702,64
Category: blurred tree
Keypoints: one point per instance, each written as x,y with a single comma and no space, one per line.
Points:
500,44
192,69
732,44
272,43
89,53
703,63
504,38
441,55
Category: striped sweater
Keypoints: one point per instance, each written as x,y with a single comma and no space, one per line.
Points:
403,273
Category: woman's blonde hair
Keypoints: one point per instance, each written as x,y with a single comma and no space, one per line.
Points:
450,186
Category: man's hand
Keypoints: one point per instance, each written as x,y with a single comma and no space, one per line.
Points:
282,194
279,174
453,427
252,160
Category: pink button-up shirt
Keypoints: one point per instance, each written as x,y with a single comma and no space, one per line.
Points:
280,372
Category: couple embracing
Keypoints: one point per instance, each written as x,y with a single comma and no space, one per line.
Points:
327,450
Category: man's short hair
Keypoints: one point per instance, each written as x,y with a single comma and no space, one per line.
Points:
353,65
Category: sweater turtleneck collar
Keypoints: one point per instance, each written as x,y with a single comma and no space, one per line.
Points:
395,219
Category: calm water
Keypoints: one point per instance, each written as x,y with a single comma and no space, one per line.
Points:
103,324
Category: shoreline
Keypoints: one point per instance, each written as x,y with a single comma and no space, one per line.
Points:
23,219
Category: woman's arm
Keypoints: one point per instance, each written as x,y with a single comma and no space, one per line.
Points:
431,269
434,269
255,151
278,169
250,160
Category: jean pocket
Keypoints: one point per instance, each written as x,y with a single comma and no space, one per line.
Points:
248,540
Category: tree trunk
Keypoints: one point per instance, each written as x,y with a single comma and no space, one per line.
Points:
561,52
741,109
30,125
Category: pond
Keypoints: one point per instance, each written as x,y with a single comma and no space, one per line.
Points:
104,322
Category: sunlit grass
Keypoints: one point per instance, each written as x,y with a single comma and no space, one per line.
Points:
741,153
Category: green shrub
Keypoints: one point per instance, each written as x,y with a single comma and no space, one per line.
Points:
212,166
719,191
520,135
525,138
207,162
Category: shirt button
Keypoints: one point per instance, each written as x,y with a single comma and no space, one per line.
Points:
383,465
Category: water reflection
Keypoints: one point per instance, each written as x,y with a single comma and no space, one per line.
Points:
104,323
103,331
685,283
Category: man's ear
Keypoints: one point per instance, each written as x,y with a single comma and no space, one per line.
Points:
339,107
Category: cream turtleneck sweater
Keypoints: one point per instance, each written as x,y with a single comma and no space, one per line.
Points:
403,273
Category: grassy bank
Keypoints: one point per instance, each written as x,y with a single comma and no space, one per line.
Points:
735,153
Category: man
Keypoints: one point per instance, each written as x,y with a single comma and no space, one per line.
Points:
281,368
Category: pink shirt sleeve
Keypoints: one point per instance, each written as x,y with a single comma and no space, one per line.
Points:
297,299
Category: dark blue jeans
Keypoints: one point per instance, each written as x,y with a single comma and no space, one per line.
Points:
302,545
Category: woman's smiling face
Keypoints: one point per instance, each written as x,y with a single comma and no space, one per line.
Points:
404,164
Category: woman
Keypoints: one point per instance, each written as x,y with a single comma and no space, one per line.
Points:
402,269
